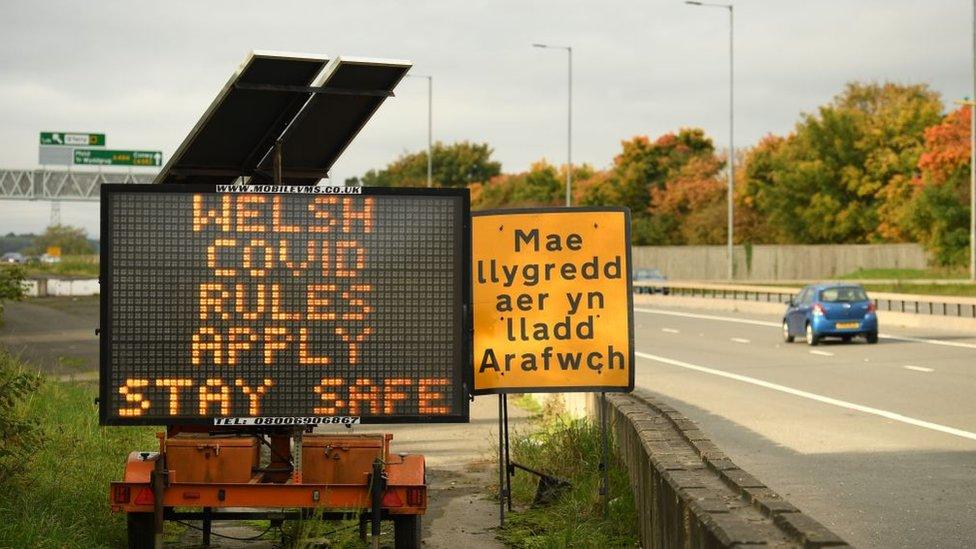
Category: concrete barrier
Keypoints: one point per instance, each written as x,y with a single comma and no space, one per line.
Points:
689,493
50,286
777,262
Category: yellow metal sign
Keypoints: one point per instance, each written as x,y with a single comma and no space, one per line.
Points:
54,251
552,300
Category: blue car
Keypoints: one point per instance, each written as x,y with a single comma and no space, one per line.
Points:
831,310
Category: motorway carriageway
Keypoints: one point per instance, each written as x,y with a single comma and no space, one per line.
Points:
878,442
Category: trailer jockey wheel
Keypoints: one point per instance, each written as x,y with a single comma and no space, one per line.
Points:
140,530
406,532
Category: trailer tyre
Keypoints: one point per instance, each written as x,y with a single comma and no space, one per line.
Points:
406,532
141,530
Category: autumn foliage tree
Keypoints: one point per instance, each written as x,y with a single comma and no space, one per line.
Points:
938,212
542,185
455,165
832,179
878,163
669,185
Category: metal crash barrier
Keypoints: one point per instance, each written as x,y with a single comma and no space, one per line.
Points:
957,306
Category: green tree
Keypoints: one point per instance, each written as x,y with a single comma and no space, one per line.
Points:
71,240
455,165
828,181
11,284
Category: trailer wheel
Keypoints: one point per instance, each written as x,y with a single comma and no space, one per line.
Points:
406,532
141,530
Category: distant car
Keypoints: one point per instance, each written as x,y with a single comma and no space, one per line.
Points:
13,257
831,310
655,278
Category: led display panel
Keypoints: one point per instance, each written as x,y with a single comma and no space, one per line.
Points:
278,305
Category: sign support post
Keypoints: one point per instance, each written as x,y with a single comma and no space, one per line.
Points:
605,460
502,463
508,459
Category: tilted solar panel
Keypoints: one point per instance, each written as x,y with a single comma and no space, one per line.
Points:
296,108
330,121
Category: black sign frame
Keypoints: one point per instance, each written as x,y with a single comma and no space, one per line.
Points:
462,373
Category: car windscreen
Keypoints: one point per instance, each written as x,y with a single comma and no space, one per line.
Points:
843,295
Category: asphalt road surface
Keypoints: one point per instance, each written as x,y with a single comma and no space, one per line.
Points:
878,442
55,334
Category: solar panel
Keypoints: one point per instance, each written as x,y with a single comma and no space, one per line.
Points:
296,108
240,126
330,121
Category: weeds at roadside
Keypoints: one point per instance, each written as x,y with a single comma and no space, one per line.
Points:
70,265
571,450
528,403
316,532
59,498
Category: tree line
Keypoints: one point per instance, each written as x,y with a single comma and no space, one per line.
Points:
878,163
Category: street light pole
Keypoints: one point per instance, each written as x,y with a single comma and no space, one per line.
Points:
569,122
430,125
731,184
972,159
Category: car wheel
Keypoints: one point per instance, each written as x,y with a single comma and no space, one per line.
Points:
812,338
872,337
786,333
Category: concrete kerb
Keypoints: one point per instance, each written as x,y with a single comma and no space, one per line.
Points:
689,493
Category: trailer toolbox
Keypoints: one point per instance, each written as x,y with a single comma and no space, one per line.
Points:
203,458
342,459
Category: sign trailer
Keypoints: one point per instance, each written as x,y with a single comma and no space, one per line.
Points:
247,316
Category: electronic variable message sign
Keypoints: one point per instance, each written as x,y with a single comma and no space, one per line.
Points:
279,305
552,300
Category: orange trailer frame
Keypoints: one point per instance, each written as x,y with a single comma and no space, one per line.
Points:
395,488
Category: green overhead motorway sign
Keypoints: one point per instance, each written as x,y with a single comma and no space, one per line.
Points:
109,157
73,139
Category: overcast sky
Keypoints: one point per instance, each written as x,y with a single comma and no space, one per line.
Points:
143,72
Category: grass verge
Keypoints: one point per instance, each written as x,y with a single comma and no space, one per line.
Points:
571,450
905,274
70,265
59,498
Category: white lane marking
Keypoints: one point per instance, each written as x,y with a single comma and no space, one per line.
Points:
709,317
671,330
813,396
822,353
930,341
778,325
740,340
918,368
